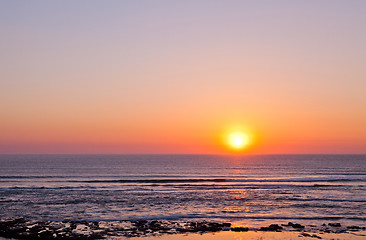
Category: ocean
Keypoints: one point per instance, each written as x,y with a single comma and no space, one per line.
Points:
249,189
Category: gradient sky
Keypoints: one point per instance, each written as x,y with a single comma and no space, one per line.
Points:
175,76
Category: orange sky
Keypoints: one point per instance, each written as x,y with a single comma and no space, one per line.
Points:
173,76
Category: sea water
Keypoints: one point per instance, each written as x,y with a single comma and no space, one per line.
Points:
250,189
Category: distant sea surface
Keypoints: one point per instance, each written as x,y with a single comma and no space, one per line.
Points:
253,190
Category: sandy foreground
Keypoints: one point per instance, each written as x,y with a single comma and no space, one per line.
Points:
250,235
166,230
258,235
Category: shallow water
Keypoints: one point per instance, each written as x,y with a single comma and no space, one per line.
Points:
255,190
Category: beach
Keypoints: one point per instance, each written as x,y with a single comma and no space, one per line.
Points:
30,229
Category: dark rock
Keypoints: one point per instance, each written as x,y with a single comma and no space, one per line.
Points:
316,236
182,230
275,226
226,224
141,225
214,227
334,224
206,227
353,228
158,226
264,229
295,225
305,234
239,229
193,224
272,228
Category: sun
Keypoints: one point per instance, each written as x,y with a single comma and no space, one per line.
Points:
238,140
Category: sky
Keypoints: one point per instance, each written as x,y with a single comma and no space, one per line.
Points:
178,76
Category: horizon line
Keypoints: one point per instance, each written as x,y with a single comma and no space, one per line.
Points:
202,154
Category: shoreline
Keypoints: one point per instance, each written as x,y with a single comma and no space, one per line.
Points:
20,228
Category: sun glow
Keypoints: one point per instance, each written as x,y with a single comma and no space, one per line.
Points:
238,140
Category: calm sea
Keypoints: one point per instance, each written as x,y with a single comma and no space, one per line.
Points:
249,189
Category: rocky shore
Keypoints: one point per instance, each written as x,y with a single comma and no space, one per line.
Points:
30,229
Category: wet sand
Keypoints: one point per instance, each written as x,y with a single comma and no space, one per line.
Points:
259,235
250,235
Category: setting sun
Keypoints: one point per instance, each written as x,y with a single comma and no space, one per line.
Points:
238,140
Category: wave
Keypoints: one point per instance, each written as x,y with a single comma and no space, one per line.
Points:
198,180
180,179
324,199
52,188
175,187
306,179
155,180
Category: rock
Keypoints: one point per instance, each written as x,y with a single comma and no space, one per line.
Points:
334,224
239,229
354,228
214,227
226,224
305,234
272,228
295,225
157,226
207,227
316,236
